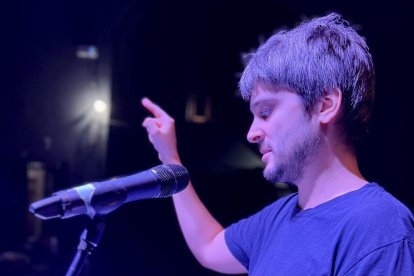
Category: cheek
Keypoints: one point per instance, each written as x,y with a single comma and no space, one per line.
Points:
283,138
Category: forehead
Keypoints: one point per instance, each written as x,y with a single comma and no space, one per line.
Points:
263,91
262,87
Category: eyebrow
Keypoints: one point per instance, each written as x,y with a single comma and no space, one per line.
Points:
260,101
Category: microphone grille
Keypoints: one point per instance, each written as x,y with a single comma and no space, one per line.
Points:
172,178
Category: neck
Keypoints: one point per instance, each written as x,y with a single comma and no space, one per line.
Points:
332,173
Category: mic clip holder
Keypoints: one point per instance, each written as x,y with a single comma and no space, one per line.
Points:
89,240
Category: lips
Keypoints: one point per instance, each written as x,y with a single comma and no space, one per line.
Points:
264,150
265,156
265,153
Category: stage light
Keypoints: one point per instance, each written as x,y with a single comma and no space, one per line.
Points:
100,106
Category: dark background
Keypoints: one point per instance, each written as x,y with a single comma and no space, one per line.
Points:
172,52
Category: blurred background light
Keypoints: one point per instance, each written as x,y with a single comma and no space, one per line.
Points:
100,106
87,52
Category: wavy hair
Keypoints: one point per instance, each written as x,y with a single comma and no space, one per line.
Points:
315,57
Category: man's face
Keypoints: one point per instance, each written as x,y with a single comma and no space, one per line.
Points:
286,135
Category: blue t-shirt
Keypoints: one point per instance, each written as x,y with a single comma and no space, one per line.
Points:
363,232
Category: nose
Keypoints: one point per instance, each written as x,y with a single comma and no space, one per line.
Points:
255,134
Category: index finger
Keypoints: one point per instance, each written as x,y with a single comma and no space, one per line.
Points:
153,108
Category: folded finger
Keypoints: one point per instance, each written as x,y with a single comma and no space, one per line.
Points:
151,124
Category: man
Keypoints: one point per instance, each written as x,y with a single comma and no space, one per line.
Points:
311,91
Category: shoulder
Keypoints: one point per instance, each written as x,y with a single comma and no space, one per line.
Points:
375,211
243,236
374,227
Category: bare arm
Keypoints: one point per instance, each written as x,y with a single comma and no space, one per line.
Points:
203,234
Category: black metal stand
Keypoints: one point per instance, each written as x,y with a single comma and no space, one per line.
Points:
89,239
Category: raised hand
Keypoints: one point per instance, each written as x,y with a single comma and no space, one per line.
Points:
204,235
161,133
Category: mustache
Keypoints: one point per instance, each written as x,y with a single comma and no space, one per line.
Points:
263,148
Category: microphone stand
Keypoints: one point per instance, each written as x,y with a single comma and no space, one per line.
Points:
89,239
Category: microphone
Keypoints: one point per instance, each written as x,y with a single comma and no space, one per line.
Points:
100,198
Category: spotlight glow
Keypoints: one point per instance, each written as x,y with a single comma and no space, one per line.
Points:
99,106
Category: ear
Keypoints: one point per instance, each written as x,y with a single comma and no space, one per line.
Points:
329,107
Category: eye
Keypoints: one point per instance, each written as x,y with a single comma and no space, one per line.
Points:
265,113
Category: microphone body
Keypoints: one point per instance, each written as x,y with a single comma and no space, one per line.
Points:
100,198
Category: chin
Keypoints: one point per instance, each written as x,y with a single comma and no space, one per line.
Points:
272,174
275,174
268,171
